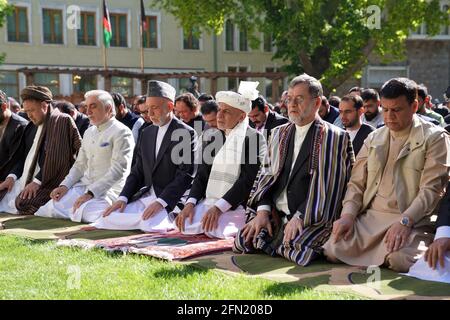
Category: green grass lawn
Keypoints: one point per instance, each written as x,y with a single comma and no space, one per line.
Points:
40,270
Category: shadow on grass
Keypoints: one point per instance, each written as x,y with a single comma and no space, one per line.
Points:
285,289
182,271
395,283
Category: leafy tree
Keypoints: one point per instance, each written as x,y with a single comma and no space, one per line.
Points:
5,9
328,39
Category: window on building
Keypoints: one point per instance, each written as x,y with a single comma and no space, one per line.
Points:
122,85
378,75
17,25
87,30
119,30
9,83
243,40
53,26
49,80
151,34
233,83
84,83
229,36
190,40
268,42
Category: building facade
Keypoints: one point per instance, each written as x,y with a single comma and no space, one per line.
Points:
65,34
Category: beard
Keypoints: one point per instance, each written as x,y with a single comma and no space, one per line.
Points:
370,117
351,124
299,117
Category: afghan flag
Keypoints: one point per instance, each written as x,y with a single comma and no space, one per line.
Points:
107,32
143,18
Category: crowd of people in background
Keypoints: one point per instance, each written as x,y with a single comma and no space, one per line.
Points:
355,179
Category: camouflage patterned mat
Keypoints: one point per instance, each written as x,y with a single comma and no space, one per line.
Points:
321,275
38,228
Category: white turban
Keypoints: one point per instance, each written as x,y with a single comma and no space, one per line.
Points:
243,99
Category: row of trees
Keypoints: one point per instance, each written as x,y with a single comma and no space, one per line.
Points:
328,39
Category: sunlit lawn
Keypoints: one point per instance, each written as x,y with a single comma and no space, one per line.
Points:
40,270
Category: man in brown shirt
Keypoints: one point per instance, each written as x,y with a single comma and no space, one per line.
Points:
396,183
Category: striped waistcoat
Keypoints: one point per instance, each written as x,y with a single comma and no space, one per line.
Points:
330,166
61,141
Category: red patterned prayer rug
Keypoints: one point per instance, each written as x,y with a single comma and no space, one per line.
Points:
172,246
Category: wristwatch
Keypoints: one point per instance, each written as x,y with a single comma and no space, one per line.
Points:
405,221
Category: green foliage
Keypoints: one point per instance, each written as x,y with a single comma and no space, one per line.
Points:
329,39
5,9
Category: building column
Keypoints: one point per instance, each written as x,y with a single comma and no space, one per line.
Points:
107,80
144,86
65,84
213,86
275,93
29,78
137,87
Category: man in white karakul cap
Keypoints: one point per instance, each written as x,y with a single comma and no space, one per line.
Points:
230,163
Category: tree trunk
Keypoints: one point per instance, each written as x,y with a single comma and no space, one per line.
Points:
337,82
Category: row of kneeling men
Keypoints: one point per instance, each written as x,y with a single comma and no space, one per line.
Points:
299,194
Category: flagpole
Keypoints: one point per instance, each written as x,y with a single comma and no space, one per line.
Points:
106,27
104,57
142,48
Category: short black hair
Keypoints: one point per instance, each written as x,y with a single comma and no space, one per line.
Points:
324,101
357,100
259,103
398,87
64,106
141,99
334,101
209,106
355,89
205,97
370,94
118,99
422,91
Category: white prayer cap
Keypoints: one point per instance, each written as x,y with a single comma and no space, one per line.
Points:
243,99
